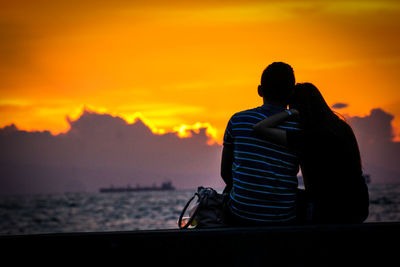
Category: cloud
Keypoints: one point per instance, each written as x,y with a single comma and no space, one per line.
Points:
379,153
340,105
101,150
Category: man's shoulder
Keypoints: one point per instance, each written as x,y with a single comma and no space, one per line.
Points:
255,112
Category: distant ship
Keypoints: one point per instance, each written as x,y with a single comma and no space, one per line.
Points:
167,186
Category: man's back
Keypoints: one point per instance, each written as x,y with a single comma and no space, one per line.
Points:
264,174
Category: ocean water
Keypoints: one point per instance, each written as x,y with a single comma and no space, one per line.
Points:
88,212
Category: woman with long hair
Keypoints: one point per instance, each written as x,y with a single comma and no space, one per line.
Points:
329,157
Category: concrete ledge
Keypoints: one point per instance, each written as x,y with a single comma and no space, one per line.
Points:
310,245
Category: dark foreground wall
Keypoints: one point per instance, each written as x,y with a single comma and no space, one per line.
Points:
369,244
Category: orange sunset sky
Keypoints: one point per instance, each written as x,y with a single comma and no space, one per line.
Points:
178,64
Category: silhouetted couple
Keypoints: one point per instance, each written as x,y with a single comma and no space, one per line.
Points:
265,146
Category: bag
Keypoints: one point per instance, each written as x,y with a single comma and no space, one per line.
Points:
208,212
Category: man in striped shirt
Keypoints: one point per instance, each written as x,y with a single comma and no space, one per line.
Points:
261,176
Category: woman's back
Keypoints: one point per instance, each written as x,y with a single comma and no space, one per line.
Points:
331,166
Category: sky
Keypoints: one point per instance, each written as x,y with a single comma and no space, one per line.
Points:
180,65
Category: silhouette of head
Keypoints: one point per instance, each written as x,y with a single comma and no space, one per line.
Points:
277,82
314,113
310,103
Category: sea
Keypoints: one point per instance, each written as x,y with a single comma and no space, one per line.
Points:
129,211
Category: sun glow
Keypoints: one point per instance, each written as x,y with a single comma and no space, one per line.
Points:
185,131
131,119
182,131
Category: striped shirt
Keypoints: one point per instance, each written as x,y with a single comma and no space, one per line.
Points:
264,174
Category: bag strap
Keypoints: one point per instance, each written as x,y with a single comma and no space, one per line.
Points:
184,210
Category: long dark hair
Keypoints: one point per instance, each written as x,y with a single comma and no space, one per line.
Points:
315,113
313,109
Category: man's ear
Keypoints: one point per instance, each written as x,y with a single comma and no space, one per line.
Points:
260,92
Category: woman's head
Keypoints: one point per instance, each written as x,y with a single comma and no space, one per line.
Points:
313,109
315,113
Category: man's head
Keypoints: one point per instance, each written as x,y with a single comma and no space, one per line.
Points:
277,83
